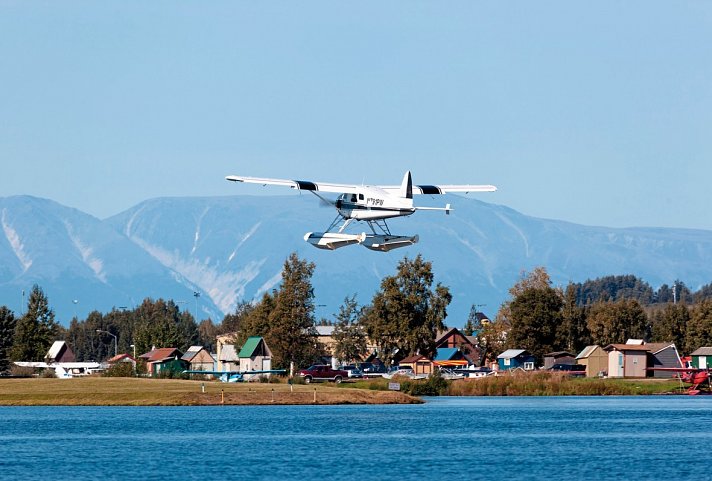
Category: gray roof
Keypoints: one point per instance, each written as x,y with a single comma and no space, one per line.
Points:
703,351
587,351
325,330
511,353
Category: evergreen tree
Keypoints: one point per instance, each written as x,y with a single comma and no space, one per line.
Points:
705,293
285,318
406,314
350,337
7,333
492,340
670,324
473,324
699,327
35,330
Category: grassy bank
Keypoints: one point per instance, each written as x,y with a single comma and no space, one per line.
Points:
101,391
535,384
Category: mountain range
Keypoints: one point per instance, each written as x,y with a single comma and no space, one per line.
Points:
229,249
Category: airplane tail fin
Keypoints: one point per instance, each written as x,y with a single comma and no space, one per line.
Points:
406,190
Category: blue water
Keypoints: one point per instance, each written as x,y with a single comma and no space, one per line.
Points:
552,438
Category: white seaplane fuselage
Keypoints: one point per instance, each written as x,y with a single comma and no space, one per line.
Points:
372,203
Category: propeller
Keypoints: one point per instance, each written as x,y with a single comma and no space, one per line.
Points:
324,202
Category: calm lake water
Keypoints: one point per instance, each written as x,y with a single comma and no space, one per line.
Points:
517,438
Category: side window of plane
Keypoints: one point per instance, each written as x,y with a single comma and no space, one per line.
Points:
360,197
353,197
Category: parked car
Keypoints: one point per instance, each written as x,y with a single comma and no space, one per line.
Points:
352,371
322,372
372,369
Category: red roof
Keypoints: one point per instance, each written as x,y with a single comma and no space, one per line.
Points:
121,357
160,354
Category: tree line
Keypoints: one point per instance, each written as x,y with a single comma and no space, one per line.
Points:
403,318
542,318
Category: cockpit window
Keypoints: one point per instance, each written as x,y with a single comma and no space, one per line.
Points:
353,197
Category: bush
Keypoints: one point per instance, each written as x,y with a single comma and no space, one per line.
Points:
435,385
48,373
21,371
119,369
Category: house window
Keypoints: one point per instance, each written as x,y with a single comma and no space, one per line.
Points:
506,361
528,366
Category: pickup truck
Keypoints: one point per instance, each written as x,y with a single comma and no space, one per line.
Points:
322,372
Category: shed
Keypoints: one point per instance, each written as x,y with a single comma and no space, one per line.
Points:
595,359
128,358
558,357
255,355
419,364
663,354
226,353
199,359
627,360
449,357
702,358
160,359
325,335
514,358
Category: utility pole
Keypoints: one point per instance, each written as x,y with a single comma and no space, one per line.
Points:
196,294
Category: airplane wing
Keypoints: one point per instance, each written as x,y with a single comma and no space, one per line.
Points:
296,184
441,189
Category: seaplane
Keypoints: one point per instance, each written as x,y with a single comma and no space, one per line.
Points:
697,378
371,204
236,376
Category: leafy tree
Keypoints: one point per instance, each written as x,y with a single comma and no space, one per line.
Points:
35,330
406,314
536,279
535,316
207,334
7,332
233,322
670,324
572,334
616,322
350,337
699,327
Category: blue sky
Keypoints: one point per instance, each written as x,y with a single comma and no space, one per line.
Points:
597,113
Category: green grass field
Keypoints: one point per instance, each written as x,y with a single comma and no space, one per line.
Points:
104,391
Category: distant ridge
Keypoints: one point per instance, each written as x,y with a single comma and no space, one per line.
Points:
232,248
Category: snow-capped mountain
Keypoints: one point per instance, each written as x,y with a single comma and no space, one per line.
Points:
232,248
80,262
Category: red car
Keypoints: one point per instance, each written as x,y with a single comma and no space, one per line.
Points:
322,372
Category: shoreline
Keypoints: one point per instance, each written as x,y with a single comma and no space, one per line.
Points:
101,391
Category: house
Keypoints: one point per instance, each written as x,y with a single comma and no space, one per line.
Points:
123,358
449,357
419,364
702,358
595,359
59,352
627,360
227,359
662,354
454,338
163,358
255,355
515,358
559,357
325,335
199,359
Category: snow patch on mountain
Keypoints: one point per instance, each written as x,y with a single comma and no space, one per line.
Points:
225,288
87,254
16,243
244,238
269,285
516,229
